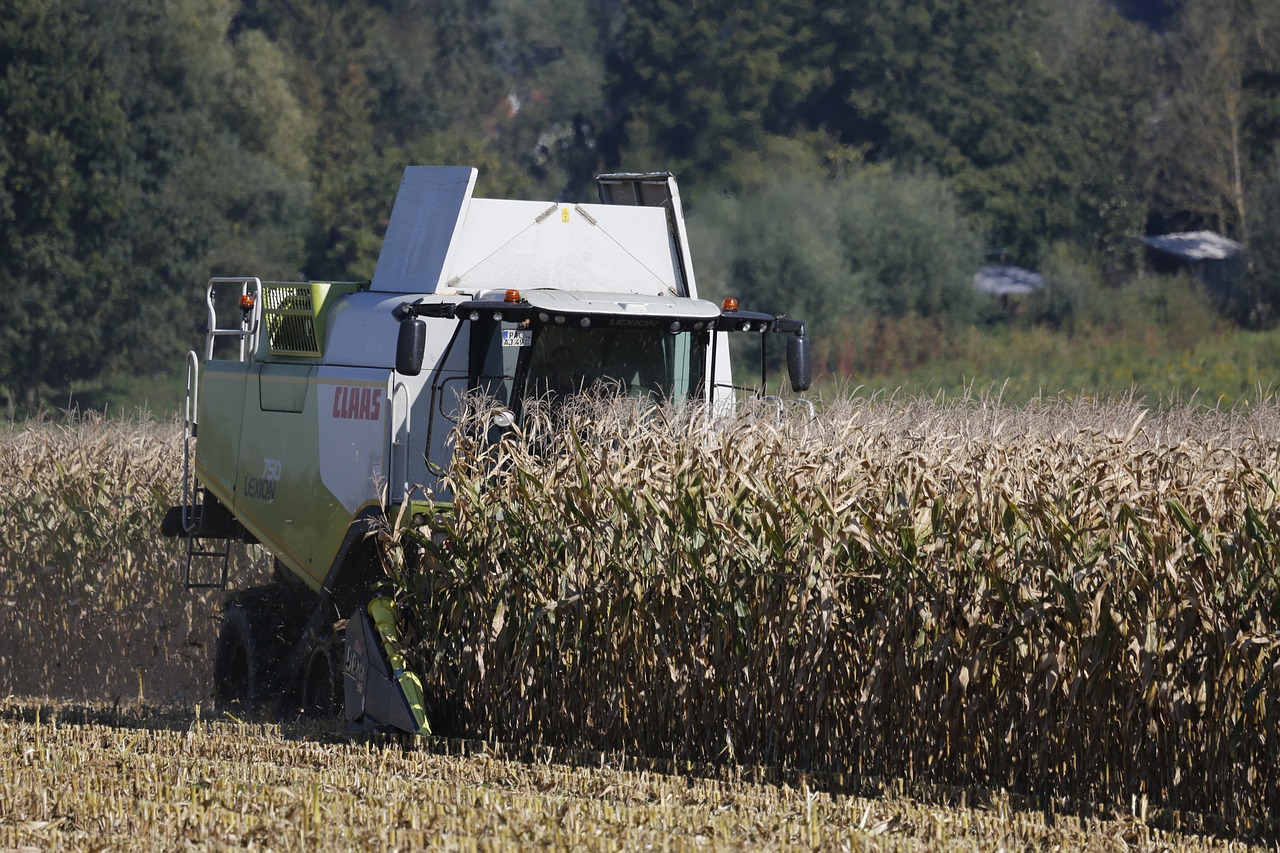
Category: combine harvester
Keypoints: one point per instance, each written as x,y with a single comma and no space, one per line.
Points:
323,408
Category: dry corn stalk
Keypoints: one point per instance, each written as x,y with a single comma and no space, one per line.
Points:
91,603
1072,600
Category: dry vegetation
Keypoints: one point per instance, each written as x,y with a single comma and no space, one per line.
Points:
90,604
1070,601
101,779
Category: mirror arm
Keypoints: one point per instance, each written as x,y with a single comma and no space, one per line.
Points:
405,310
788,325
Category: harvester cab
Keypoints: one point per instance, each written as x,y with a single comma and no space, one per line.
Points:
317,410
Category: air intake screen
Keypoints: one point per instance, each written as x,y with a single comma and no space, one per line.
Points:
290,319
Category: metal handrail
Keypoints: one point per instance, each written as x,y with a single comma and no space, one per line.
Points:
191,409
402,445
250,321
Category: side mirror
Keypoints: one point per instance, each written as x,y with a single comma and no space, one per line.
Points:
799,366
411,344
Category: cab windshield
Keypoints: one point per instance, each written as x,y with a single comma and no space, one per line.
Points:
515,362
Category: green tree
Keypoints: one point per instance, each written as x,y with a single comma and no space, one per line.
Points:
908,245
63,195
430,66
777,248
353,180
867,241
551,59
957,86
701,87
217,166
142,149
1220,112
1106,65
1257,303
1038,150
331,46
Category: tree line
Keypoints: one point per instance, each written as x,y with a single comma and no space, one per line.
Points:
836,160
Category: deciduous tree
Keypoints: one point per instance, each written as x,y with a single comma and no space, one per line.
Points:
1223,82
63,194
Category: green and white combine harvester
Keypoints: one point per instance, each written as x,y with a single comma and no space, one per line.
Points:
321,409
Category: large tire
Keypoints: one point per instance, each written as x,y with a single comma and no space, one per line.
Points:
321,689
258,632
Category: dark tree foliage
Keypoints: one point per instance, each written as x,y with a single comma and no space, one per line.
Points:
698,85
511,87
429,69
866,242
146,144
958,86
142,150
64,158
1151,13
1218,113
1257,302
216,174
1106,65
551,58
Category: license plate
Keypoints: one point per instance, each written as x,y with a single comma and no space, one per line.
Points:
517,337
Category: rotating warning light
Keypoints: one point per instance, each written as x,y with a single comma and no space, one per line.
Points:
246,302
729,304
511,296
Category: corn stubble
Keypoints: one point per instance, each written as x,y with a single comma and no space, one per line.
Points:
96,778
1076,601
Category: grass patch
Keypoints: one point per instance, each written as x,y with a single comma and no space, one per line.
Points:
1221,368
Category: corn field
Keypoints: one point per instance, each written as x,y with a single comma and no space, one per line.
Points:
90,604
1074,600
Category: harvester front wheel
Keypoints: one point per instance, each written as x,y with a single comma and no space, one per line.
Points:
322,679
244,664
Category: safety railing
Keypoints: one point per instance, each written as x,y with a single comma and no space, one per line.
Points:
249,305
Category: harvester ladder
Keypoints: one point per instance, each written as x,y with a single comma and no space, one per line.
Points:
249,305
190,414
191,510
196,549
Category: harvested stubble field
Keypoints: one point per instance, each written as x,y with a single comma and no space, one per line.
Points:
100,778
1074,602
